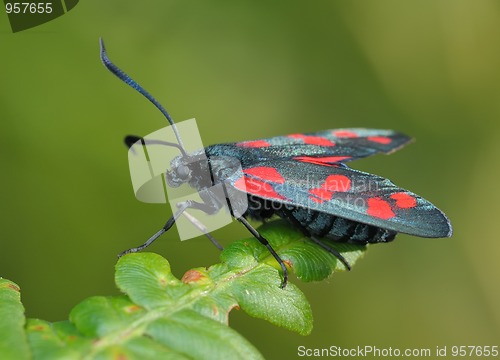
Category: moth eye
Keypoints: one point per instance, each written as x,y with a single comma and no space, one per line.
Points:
183,172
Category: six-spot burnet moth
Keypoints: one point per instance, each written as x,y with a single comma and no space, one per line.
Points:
302,178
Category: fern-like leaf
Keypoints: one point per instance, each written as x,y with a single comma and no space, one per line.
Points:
161,316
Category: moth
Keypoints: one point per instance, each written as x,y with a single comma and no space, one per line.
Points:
303,179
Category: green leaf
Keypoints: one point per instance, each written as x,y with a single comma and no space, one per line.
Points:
118,327
161,316
58,340
13,342
307,260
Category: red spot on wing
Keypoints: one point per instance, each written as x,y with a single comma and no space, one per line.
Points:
320,195
315,199
325,160
254,144
404,200
332,184
379,208
340,183
265,173
380,139
258,188
312,140
344,134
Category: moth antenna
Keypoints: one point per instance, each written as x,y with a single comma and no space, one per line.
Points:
132,83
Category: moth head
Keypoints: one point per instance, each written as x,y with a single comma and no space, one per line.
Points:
180,171
193,169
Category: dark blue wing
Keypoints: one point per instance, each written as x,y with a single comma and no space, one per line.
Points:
344,192
325,147
385,141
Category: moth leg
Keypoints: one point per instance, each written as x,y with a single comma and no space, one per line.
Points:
199,225
331,250
264,242
181,208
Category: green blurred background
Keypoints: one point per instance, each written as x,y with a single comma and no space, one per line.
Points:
246,70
